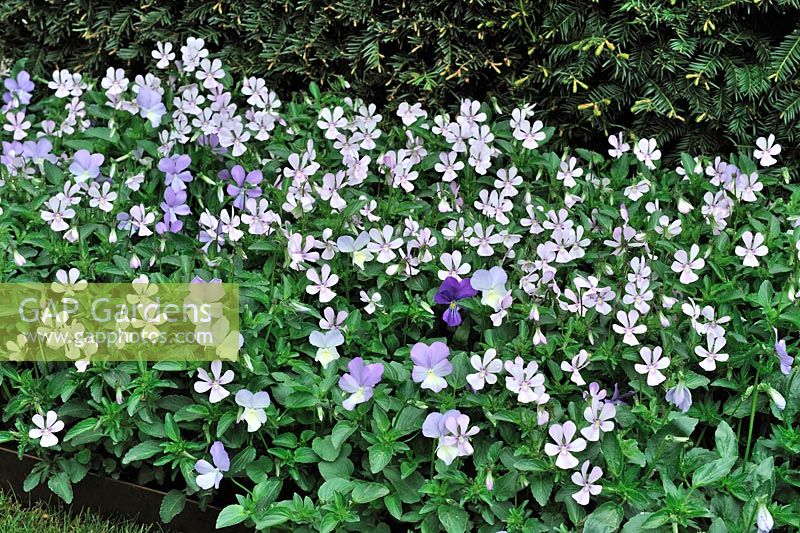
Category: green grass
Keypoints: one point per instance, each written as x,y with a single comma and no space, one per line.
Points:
15,518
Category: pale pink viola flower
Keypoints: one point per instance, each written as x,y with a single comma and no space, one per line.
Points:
628,328
712,354
600,416
568,172
574,367
321,283
753,248
68,283
686,264
448,166
525,382
646,152
46,428
56,212
331,319
373,302
383,244
486,369
587,481
618,146
459,434
564,445
766,150
654,363
214,382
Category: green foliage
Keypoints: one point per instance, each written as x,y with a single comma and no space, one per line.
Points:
704,76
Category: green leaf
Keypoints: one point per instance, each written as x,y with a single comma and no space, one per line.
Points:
379,457
612,453
712,472
172,505
171,428
341,432
541,487
453,519
230,516
365,492
84,432
726,440
61,485
604,519
323,446
141,451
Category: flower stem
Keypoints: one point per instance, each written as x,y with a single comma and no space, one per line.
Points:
752,418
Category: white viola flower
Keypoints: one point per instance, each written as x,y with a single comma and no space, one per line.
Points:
712,354
46,428
637,190
321,283
647,153
564,445
507,181
357,247
484,239
214,382
102,196
163,53
525,382
448,166
114,82
455,268
331,121
766,151
410,113
628,328
492,284
600,416
568,172
587,481
68,283
373,302
686,264
486,369
618,146
654,363
574,367
747,186
253,406
326,344
753,248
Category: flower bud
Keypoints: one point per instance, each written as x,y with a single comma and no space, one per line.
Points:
71,235
542,416
19,259
777,398
663,320
684,207
764,520
112,236
135,262
489,481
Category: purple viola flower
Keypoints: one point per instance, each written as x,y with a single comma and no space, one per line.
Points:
450,292
617,398
19,88
86,166
150,105
175,171
786,360
39,151
431,365
680,396
174,204
360,381
243,186
211,475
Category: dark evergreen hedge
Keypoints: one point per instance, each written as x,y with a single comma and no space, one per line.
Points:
702,75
